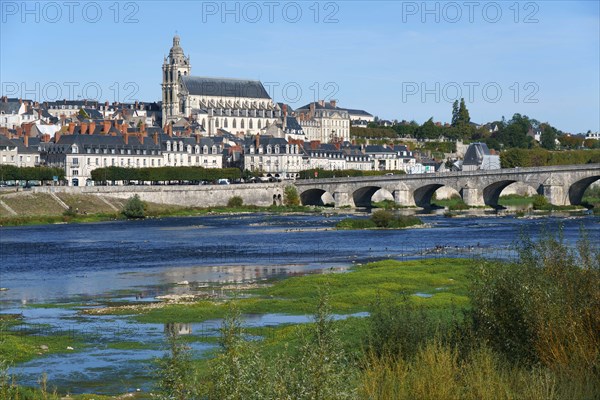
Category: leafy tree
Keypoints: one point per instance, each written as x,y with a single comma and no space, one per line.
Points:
290,196
135,208
515,132
428,130
463,114
548,139
174,372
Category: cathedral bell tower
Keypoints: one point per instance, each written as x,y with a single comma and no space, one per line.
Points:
174,66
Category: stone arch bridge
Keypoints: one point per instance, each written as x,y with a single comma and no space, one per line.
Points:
561,185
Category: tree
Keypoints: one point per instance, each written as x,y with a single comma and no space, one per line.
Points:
428,130
134,208
290,196
515,132
455,111
548,139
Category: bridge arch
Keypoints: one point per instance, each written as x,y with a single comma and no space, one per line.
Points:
316,197
424,194
363,197
577,189
492,192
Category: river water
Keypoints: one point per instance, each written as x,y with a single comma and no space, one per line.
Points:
138,260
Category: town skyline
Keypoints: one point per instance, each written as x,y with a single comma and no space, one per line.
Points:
554,90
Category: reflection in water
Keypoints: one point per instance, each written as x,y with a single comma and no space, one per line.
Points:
178,329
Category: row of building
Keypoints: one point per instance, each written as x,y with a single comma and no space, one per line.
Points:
84,145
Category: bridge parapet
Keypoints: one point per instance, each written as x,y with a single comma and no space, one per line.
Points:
562,185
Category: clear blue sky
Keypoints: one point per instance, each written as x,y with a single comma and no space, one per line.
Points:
396,60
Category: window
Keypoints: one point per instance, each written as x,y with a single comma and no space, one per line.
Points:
97,161
89,161
75,172
75,161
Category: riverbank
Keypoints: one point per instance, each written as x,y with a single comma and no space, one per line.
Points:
26,208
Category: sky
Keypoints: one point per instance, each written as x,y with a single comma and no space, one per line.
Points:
404,60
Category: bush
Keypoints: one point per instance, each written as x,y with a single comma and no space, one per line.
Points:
542,309
235,202
404,221
134,208
540,202
70,212
290,196
382,218
355,223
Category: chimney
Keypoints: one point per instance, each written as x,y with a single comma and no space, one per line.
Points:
333,103
155,137
126,138
141,138
197,139
105,126
26,140
45,138
314,144
322,103
337,145
84,127
170,130
392,146
143,128
92,128
123,128
57,136
257,140
19,131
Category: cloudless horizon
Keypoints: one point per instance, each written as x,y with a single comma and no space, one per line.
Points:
396,60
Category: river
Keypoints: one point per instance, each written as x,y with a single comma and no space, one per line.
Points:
138,260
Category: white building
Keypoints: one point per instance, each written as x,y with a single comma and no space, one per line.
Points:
236,105
272,155
324,122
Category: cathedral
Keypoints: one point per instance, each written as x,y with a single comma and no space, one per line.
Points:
238,106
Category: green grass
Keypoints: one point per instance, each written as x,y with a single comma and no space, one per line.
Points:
153,211
515,200
21,346
453,203
349,292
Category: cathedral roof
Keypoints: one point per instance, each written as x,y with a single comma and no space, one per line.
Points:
224,87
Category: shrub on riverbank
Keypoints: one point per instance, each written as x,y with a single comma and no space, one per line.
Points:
235,202
380,219
134,208
532,332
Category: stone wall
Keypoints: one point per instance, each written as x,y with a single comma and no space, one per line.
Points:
259,194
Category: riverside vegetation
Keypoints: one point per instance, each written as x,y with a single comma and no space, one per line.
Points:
526,329
380,219
529,331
